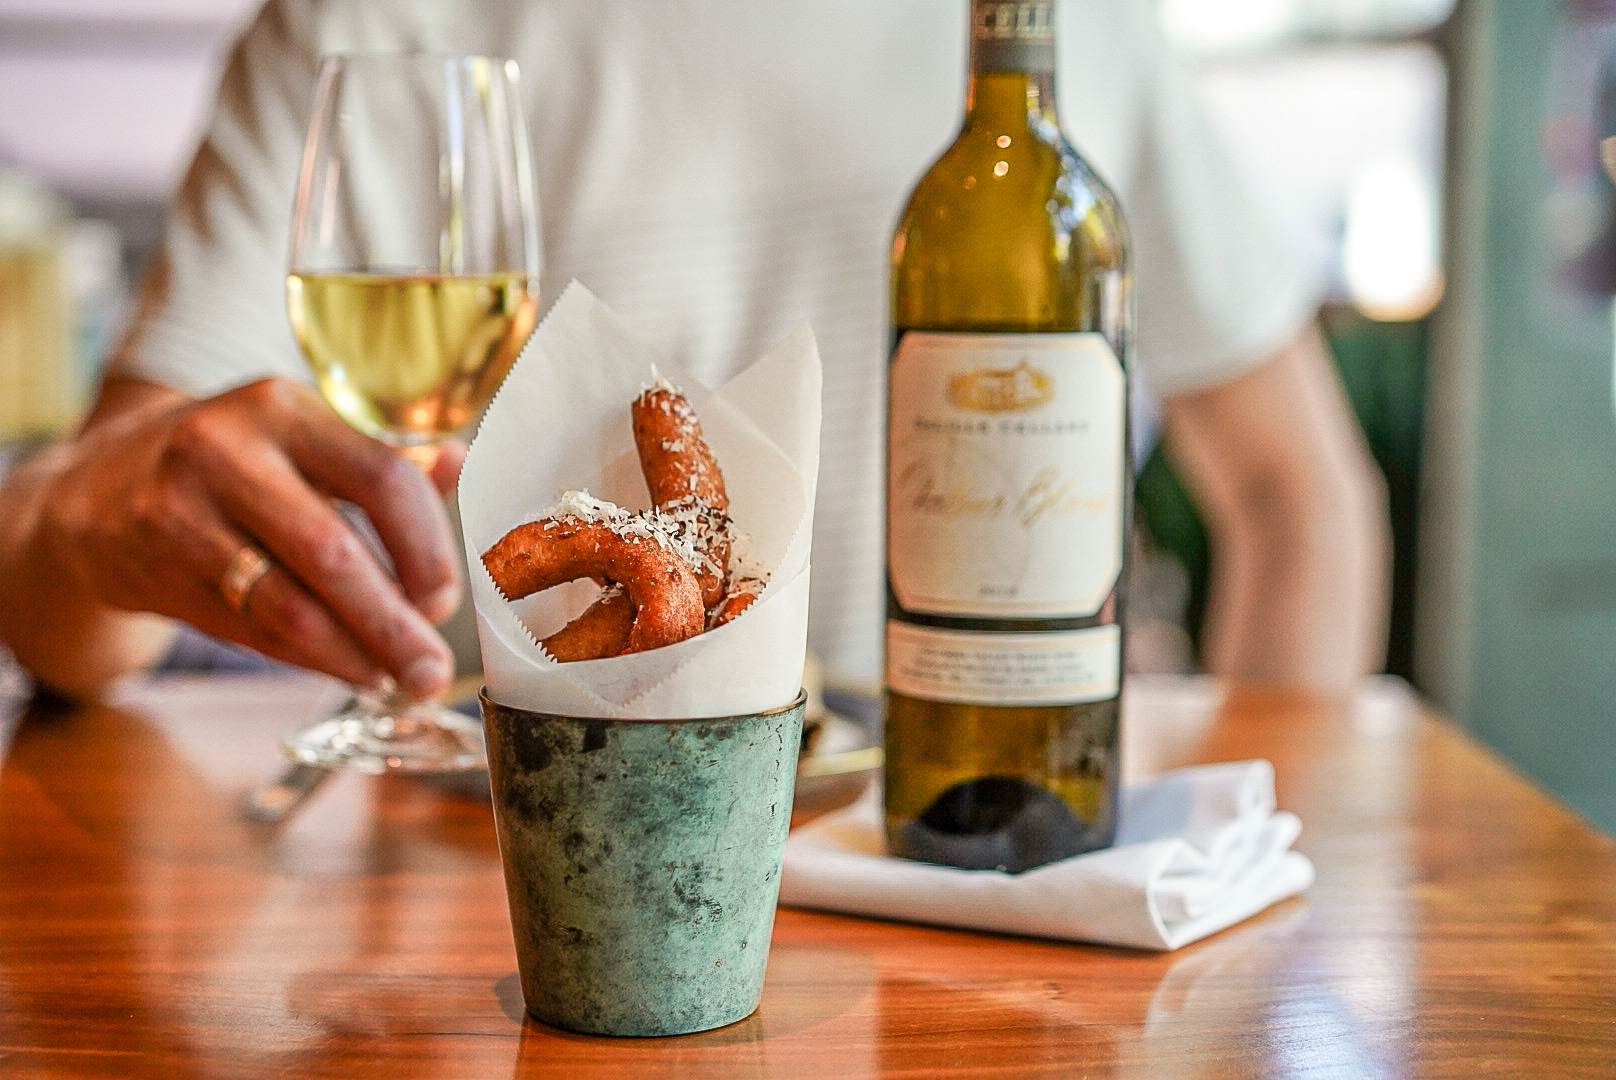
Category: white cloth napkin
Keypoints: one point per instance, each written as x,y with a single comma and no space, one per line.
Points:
1198,849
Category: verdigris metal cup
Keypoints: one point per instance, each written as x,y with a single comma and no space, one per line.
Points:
642,862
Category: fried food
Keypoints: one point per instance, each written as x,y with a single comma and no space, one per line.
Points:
602,629
678,464
684,479
619,549
665,572
736,601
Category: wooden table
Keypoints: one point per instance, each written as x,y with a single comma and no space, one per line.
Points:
1462,924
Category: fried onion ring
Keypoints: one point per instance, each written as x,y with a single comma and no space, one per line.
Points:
541,554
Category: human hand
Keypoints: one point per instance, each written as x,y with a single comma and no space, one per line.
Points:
162,493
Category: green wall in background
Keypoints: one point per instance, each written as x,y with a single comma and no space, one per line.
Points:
1516,628
1494,421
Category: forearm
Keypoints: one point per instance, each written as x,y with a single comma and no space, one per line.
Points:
54,626
1297,514
1301,599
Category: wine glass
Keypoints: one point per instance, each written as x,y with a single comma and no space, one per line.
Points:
412,285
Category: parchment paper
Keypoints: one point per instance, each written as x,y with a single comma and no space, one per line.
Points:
561,422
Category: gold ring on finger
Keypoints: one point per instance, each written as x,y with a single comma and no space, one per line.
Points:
247,567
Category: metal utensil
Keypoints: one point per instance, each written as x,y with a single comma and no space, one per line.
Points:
274,802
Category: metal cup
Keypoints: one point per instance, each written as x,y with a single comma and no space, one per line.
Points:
642,862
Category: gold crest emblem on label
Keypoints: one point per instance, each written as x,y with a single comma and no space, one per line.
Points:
1001,390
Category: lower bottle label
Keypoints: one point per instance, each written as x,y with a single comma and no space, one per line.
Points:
1058,667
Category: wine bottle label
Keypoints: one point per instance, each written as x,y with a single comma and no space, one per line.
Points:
1005,485
1061,667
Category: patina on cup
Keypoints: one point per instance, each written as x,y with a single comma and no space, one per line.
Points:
642,862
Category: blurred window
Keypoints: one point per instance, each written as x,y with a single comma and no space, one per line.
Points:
1335,111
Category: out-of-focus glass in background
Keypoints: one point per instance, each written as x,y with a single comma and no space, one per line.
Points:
101,102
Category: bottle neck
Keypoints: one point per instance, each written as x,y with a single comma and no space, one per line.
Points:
1012,78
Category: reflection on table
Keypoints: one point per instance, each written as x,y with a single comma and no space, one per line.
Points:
1462,923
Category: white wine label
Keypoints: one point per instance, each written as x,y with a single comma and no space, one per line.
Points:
1005,482
1059,667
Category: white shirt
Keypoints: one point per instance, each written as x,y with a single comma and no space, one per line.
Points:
718,171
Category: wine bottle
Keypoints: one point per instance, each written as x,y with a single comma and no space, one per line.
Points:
1007,492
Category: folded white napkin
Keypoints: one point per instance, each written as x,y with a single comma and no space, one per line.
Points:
1198,849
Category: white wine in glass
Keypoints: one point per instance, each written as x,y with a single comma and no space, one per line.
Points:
410,358
412,286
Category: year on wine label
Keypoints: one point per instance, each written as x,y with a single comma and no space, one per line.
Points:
1005,474
1059,667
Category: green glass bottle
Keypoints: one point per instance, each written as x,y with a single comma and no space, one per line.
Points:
1007,487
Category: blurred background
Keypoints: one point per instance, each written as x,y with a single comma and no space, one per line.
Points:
1436,159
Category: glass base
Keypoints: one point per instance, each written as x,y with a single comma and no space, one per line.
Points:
376,737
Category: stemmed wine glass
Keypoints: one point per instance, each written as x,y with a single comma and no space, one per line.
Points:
412,285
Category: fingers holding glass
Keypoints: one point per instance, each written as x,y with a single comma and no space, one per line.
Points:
265,461
399,501
339,572
212,576
270,611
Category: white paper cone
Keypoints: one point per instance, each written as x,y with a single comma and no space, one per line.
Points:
561,422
